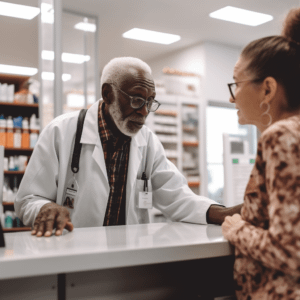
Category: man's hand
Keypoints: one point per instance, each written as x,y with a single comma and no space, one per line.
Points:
52,216
216,214
229,222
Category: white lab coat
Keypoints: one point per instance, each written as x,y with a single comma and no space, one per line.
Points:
48,173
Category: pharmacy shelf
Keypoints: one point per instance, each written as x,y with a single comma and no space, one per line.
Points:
166,113
16,229
8,203
190,144
14,172
194,183
18,104
18,149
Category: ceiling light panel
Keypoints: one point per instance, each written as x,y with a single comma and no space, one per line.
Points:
66,57
47,13
16,70
18,11
241,16
85,26
50,76
151,36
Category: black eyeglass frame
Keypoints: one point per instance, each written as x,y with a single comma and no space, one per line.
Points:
234,83
144,101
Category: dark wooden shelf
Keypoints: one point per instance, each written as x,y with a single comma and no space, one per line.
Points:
8,203
18,104
14,172
18,149
16,229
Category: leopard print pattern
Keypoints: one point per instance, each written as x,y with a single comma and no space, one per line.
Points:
267,240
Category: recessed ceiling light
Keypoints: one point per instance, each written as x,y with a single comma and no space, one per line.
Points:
66,57
47,13
16,70
50,76
241,16
18,11
151,36
85,26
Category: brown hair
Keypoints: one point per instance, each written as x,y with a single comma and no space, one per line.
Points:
279,57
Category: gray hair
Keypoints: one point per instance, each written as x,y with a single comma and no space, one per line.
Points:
114,71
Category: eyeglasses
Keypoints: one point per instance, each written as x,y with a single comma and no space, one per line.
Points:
139,102
232,86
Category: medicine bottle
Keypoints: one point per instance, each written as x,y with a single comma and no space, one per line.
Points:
17,132
25,134
9,133
8,219
34,131
3,132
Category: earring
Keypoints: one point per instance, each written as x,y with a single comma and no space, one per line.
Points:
266,113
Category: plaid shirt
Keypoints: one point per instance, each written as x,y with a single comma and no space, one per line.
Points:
116,154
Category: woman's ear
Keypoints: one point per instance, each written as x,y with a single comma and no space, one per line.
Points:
270,87
107,93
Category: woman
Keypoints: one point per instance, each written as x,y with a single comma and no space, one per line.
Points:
266,235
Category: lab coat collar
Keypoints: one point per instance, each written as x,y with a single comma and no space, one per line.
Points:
90,132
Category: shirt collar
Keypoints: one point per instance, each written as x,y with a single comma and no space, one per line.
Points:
105,133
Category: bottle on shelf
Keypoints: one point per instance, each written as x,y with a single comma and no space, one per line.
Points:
15,188
18,132
9,219
25,134
34,131
9,132
2,216
3,92
2,131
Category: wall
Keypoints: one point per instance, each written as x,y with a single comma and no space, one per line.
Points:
219,62
213,62
190,59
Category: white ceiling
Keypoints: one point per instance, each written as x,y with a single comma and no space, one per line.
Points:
189,19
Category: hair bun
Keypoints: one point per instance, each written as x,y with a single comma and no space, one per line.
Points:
291,25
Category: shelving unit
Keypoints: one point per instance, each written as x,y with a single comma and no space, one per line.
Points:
176,124
16,109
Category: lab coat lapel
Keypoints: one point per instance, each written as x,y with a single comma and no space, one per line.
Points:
90,135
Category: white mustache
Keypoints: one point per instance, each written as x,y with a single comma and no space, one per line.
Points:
142,121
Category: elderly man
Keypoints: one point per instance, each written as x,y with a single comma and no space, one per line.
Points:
123,168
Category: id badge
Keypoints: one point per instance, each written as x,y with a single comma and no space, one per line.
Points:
71,193
145,200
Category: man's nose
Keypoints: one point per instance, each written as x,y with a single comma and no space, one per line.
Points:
143,110
231,100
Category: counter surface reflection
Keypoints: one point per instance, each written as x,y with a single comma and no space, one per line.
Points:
109,247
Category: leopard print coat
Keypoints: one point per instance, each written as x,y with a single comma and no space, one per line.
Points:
267,240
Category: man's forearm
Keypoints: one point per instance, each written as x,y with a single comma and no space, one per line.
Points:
216,214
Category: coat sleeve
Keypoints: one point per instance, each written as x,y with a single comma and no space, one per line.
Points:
39,183
277,247
171,194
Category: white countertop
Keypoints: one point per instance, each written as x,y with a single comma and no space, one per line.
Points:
109,247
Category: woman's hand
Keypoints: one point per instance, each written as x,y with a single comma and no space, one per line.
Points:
229,222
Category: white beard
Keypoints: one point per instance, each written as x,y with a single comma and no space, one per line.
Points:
122,125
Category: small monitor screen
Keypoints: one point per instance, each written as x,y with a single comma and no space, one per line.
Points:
236,147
